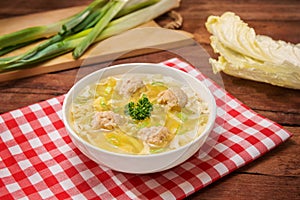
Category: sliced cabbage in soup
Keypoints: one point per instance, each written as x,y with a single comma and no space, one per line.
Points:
138,114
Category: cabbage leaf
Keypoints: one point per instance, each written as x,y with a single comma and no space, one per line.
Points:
245,54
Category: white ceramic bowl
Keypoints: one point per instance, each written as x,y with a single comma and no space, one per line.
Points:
140,164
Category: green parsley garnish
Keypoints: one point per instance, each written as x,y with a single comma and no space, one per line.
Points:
141,110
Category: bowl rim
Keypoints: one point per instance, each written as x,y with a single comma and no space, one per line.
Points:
207,129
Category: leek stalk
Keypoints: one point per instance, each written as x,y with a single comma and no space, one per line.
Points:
137,18
113,10
73,25
108,27
132,6
31,34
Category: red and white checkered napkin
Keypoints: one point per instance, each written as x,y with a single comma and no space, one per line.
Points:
39,161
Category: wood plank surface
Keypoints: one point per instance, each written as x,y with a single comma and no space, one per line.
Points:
275,175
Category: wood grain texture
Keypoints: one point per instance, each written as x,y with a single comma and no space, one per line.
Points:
275,175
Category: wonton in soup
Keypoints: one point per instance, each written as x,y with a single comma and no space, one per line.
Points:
138,114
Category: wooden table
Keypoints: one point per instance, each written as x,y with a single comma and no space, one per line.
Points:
276,175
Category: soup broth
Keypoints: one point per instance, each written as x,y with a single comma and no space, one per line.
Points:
138,114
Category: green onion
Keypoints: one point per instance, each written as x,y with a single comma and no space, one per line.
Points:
33,33
101,23
132,6
29,34
114,7
137,18
81,16
66,29
8,49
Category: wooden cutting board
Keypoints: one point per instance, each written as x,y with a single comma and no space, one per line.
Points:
144,39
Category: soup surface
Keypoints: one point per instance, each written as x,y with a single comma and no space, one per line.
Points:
138,114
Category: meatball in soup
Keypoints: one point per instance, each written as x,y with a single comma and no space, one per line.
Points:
138,114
